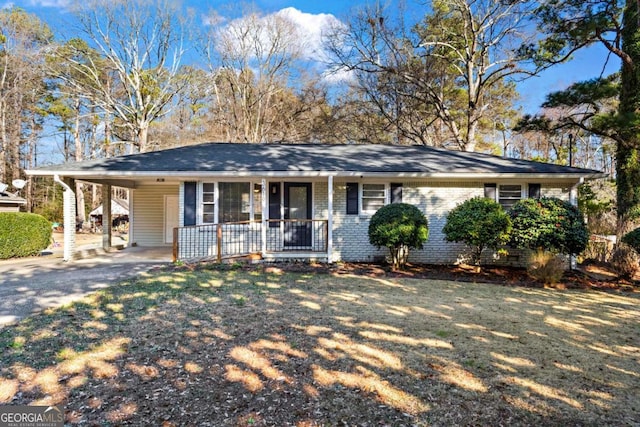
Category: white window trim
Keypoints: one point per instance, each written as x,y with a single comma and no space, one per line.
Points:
200,203
216,200
368,213
523,190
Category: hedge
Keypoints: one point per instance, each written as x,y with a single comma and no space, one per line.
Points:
23,234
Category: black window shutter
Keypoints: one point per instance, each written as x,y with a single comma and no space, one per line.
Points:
534,191
274,203
190,207
490,191
396,193
352,198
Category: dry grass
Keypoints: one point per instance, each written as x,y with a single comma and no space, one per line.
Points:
235,347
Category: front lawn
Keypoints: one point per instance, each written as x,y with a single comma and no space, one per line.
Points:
249,347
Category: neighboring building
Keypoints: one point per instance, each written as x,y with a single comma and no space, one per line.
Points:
308,201
10,202
119,213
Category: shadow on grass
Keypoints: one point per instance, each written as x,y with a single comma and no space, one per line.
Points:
234,347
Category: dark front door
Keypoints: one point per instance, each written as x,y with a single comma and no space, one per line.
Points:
297,213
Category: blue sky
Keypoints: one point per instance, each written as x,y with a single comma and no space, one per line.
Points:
587,64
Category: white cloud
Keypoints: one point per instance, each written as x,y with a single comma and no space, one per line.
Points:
49,3
311,28
307,36
338,75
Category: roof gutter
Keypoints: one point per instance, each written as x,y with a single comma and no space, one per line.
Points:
311,174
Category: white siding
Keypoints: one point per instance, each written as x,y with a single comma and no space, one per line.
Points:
148,214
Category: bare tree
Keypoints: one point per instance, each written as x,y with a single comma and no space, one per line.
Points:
141,43
252,59
450,67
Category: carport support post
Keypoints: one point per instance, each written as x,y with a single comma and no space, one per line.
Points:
69,219
265,216
330,219
106,216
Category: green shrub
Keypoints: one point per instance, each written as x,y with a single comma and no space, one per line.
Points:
549,224
23,234
633,239
479,223
546,267
398,227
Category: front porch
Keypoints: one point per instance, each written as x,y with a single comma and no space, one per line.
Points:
270,239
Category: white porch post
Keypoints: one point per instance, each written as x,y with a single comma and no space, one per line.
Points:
106,216
265,214
69,220
330,219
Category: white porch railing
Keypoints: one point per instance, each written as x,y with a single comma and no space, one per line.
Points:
237,239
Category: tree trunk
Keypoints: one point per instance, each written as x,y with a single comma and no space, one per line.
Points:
3,142
79,156
628,148
15,136
143,136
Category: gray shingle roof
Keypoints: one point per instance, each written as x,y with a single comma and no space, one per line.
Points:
273,158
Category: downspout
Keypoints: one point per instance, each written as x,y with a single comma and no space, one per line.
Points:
573,194
69,200
573,199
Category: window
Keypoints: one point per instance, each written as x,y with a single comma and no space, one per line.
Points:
374,196
235,201
208,203
508,195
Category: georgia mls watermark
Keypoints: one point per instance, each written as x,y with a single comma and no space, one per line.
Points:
31,416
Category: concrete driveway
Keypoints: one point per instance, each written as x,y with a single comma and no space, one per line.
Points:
31,285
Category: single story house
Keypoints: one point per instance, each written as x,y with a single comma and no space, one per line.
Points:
304,201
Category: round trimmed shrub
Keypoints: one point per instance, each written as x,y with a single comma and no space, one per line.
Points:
479,223
23,234
549,224
398,227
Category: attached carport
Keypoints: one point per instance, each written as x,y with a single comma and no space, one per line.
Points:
67,178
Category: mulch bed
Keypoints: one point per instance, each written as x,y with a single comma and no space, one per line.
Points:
586,276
